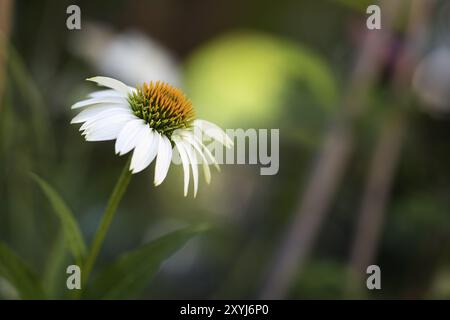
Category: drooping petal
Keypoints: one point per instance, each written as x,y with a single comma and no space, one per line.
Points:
163,159
184,162
213,131
106,100
112,83
206,152
189,138
129,136
206,170
193,162
145,151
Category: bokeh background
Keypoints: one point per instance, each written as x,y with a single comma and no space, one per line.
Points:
364,125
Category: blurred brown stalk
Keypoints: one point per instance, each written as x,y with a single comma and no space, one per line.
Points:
315,201
387,151
6,8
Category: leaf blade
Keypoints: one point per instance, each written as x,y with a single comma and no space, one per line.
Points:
14,269
132,271
71,230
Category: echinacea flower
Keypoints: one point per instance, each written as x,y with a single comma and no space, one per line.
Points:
151,120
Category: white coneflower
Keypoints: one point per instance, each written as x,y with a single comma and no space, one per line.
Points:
151,120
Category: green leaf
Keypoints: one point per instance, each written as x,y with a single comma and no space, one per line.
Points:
55,268
132,271
13,269
71,231
30,92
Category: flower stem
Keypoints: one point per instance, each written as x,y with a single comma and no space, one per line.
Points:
108,215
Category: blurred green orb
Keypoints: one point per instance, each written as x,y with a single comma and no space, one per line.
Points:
240,79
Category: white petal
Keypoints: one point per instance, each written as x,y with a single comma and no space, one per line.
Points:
108,93
208,154
145,151
108,100
110,115
193,161
163,159
91,112
106,118
104,134
183,132
206,170
129,136
112,83
184,161
189,138
107,128
213,131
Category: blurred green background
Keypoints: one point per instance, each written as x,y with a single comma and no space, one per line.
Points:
308,68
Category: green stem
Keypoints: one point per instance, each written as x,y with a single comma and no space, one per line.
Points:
108,215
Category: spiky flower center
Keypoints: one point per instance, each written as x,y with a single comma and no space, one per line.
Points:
163,107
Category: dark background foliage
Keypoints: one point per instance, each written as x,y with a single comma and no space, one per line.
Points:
287,64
